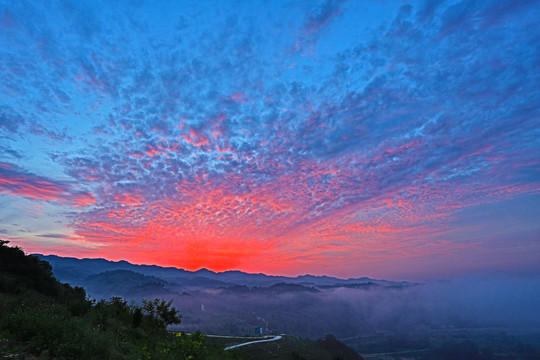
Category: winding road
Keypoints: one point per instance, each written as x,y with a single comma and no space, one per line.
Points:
275,338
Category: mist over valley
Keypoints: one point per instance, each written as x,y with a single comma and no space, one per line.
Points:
234,302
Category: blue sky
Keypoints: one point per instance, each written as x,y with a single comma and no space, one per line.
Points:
391,139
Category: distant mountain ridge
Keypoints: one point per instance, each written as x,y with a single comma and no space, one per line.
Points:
79,272
232,302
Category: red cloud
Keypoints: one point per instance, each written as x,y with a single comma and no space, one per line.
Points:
15,181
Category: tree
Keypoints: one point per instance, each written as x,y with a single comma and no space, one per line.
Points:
162,312
137,317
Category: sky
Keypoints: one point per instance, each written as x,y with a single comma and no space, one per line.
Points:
391,139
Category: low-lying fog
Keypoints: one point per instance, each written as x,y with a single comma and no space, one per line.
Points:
472,302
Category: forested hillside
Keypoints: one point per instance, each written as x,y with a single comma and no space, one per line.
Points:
43,318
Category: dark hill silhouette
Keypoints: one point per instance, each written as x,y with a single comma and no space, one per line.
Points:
337,348
126,283
77,270
20,272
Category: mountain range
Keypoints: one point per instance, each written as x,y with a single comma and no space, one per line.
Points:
235,302
102,277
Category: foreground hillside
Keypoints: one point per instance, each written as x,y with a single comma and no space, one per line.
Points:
41,318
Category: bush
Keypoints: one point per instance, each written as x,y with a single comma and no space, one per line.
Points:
193,347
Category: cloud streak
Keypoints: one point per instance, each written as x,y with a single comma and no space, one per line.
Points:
15,181
238,140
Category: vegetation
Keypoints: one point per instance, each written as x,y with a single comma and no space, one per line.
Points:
41,318
293,348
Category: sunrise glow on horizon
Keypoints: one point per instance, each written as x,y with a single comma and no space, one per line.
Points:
388,139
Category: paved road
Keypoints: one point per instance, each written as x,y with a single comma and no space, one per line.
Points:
275,338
